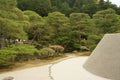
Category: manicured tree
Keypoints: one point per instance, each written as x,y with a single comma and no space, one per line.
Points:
65,8
42,7
11,20
37,30
59,24
79,22
106,20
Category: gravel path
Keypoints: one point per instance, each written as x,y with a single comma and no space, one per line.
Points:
35,73
67,69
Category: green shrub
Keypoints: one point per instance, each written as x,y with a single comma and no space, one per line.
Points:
38,46
93,41
23,52
83,42
6,57
46,53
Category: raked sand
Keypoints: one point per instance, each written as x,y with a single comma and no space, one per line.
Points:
105,59
35,73
69,69
72,69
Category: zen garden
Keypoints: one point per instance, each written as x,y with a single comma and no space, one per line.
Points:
39,32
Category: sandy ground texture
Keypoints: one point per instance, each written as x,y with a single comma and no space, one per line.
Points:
72,69
69,69
105,59
35,73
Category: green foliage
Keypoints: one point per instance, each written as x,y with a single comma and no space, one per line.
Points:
33,16
6,4
6,57
40,6
7,26
65,8
79,20
39,46
59,24
93,41
46,53
81,25
11,20
37,30
43,7
23,52
15,53
105,20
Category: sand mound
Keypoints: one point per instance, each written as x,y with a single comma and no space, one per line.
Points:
105,59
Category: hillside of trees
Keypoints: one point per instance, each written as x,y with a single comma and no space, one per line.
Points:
37,24
43,7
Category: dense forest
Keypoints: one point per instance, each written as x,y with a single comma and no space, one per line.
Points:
30,28
43,7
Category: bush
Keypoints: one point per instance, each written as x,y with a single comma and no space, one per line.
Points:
38,46
14,53
6,57
93,41
22,52
58,49
83,42
46,53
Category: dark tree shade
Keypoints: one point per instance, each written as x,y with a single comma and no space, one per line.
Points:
40,6
43,7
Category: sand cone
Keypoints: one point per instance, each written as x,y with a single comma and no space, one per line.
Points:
105,59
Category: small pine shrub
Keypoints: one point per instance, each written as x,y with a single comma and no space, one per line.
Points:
46,53
57,48
7,57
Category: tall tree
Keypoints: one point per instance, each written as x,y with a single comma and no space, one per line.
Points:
106,20
37,31
79,22
58,23
65,8
70,2
90,7
11,19
42,7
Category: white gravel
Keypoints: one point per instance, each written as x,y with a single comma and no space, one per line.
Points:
35,73
105,59
71,69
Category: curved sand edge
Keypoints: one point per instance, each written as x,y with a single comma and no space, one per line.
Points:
72,69
33,73
65,69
